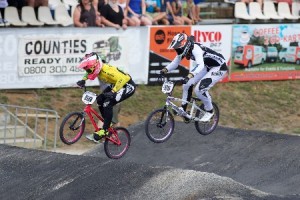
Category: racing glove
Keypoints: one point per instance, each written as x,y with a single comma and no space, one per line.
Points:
164,71
81,83
187,78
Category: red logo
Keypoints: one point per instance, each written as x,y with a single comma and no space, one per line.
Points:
203,36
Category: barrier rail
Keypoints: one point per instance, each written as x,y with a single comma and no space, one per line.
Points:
23,126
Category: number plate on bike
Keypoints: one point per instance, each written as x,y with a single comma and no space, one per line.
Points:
167,87
89,97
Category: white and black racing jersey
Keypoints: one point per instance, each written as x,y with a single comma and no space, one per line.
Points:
204,57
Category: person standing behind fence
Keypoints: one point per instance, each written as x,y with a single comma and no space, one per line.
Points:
86,15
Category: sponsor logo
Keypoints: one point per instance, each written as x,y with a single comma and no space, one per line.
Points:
217,73
206,36
159,37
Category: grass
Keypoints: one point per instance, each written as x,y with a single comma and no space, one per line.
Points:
264,105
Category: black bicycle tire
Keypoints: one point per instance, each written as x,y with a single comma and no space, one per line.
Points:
107,150
61,129
170,131
216,114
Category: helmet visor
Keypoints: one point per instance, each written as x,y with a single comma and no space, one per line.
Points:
90,70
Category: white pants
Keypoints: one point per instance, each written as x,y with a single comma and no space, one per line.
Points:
204,80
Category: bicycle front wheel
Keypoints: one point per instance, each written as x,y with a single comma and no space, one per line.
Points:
205,128
72,128
117,144
159,125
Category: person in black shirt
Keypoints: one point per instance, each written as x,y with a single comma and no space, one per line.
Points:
112,15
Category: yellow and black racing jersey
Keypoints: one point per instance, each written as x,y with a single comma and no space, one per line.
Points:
112,75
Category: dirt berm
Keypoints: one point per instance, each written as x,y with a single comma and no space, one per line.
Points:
228,164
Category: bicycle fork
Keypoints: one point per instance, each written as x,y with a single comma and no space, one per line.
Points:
113,137
75,121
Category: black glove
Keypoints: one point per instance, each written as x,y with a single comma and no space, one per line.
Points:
164,71
185,80
109,95
81,83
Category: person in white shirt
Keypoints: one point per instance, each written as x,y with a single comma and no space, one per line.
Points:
210,67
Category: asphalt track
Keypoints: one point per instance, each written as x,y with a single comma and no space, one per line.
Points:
228,164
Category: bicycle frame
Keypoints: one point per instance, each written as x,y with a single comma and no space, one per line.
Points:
90,111
168,88
193,105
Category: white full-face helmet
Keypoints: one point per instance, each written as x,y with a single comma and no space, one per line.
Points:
182,44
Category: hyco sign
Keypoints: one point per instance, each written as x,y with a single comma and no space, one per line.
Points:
207,36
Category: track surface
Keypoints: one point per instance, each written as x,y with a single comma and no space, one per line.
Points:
228,164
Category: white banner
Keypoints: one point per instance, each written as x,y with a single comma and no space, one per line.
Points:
59,55
216,37
44,58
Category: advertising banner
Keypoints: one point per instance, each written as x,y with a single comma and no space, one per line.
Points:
160,56
43,58
217,38
265,52
60,54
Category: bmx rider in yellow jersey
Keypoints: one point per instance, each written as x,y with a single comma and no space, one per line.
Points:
122,88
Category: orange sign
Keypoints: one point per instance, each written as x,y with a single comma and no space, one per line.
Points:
161,37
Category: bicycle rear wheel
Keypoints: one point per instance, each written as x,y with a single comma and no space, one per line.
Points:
159,125
118,144
205,128
72,128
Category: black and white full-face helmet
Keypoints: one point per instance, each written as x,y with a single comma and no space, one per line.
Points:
182,44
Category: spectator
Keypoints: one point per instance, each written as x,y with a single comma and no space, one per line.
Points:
153,8
112,15
3,5
137,8
175,20
86,15
260,2
196,10
99,4
133,21
18,4
177,11
37,3
188,10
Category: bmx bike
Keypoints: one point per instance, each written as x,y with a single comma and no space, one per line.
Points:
160,123
72,128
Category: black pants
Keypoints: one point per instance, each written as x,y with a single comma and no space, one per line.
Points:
106,105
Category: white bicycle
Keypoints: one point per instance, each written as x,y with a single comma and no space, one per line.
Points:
160,124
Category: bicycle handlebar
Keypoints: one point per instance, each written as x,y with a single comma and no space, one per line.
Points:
163,78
